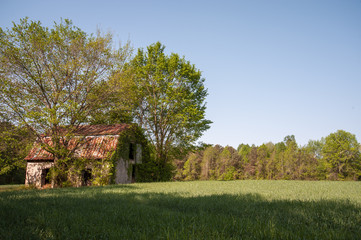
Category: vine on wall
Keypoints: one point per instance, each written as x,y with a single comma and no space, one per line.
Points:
103,170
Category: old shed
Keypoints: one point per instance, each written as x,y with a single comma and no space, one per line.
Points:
103,154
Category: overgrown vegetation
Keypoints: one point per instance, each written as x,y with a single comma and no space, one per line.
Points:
53,80
186,210
50,80
337,157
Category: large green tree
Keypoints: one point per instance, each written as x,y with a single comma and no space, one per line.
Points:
51,79
341,152
170,106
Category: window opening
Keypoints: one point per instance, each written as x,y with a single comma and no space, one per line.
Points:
131,151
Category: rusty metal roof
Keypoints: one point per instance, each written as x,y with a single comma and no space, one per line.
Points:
94,142
93,130
96,130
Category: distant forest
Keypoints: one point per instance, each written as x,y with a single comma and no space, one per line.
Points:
336,157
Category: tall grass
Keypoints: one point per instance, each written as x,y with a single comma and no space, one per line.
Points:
186,210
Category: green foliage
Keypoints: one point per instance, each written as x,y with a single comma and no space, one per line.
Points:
315,148
147,171
208,164
262,157
103,170
15,143
192,167
170,102
341,152
230,174
336,157
227,161
185,210
117,105
49,74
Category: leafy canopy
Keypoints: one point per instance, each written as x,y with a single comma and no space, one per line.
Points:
341,152
170,100
52,79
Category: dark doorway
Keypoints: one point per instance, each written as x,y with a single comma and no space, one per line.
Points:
133,173
45,177
86,177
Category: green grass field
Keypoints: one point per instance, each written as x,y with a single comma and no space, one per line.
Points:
186,210
11,187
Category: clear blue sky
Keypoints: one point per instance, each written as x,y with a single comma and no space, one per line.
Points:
272,68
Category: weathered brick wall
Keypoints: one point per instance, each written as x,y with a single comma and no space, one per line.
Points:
122,174
33,172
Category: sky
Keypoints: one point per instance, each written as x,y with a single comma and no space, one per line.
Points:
272,67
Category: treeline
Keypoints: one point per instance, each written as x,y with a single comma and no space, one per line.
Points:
336,157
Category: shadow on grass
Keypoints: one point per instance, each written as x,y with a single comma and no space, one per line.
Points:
120,212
